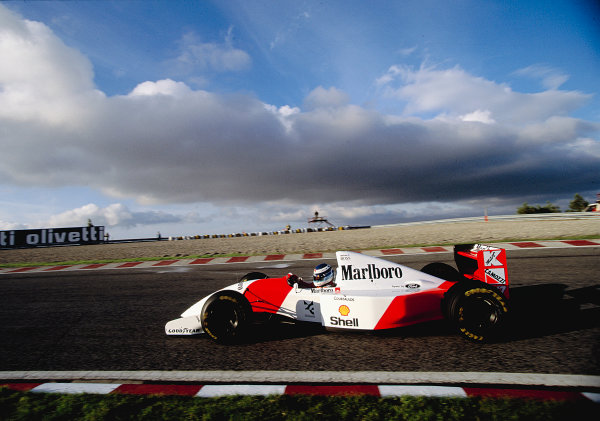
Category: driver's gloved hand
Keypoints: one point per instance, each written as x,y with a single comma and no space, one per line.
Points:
292,279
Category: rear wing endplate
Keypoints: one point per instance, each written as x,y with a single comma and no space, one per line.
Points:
483,263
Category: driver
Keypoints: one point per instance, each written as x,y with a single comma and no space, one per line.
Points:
323,276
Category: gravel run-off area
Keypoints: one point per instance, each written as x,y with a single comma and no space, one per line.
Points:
359,239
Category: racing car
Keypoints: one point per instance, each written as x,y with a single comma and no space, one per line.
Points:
364,293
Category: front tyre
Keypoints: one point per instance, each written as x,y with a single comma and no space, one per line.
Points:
477,311
226,316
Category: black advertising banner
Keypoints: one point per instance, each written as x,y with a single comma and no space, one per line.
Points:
48,237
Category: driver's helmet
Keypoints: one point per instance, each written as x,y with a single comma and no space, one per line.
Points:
323,275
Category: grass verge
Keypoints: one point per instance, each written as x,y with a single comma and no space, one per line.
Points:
15,405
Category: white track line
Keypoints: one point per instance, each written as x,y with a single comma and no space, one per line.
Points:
100,388
429,391
211,391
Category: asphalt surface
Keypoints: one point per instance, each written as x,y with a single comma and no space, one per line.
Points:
114,320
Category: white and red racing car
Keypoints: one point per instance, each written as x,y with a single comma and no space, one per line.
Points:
368,293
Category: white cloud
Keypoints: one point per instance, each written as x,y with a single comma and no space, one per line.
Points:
326,98
407,51
162,87
114,215
221,57
284,114
5,225
41,78
481,116
456,92
551,78
287,111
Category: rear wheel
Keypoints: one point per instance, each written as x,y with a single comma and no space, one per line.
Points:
226,316
477,311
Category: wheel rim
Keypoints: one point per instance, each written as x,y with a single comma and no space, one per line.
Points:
479,315
223,319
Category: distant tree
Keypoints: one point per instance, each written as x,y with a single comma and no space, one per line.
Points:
525,208
550,208
578,204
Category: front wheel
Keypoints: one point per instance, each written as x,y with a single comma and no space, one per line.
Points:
477,311
226,316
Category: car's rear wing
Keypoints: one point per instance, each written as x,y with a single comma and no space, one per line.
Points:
483,263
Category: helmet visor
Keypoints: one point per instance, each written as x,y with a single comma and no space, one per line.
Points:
323,275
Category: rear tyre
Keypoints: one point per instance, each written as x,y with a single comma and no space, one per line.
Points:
226,317
252,276
477,311
442,271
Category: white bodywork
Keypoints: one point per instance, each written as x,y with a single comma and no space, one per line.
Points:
365,289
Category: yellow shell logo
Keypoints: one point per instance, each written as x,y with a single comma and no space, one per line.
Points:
344,310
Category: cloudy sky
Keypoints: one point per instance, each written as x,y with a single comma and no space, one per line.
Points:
190,117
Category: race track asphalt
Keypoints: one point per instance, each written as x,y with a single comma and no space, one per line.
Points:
114,320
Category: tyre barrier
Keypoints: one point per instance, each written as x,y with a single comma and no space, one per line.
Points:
263,233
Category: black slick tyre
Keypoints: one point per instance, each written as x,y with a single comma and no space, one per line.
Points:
226,317
477,311
252,276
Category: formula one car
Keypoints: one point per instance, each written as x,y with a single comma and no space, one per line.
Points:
366,293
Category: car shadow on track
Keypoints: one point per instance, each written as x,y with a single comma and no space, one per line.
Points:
536,311
548,309
278,329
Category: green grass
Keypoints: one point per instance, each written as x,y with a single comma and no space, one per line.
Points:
16,405
148,259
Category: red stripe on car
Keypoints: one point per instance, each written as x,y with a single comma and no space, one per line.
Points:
267,295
